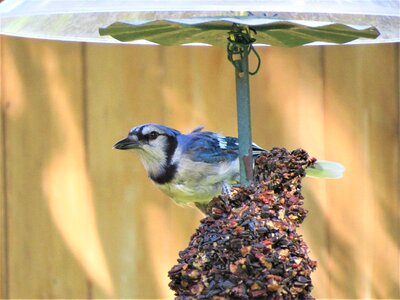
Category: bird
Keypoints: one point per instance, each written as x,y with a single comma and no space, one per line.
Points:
194,168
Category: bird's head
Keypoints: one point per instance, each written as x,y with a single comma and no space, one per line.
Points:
154,143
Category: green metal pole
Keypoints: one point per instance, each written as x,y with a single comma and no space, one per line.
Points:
244,120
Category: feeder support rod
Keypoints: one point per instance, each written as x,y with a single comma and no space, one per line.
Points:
244,120
240,45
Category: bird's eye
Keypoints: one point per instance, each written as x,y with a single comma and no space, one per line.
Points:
153,135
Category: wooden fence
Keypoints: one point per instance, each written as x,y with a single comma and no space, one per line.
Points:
80,220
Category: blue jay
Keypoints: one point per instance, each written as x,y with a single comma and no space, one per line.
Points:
195,167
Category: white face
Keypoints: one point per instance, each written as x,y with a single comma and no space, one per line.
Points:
152,150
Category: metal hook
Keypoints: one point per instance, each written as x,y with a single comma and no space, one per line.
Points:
240,40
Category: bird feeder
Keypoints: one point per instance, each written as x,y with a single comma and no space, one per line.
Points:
240,27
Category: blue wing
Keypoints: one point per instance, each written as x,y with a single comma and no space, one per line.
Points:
210,147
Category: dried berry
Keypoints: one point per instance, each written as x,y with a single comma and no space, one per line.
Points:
247,246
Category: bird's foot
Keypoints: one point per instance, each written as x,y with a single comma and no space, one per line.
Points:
228,189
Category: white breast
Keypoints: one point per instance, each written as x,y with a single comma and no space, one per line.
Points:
198,181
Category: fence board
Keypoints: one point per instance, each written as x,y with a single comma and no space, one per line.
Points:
288,110
382,99
339,103
183,111
201,87
131,211
274,99
40,265
3,203
345,121
361,115
213,90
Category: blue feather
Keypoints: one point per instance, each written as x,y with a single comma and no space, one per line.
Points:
210,147
167,130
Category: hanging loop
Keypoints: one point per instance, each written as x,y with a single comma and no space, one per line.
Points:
240,39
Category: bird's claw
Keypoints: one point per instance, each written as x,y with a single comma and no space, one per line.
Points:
228,189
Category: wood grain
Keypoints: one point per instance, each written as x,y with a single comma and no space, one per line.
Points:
288,111
383,169
362,123
84,221
123,92
3,201
40,264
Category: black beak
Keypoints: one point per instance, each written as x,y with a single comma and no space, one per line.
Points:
131,142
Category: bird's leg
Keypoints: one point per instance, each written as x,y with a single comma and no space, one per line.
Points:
226,188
